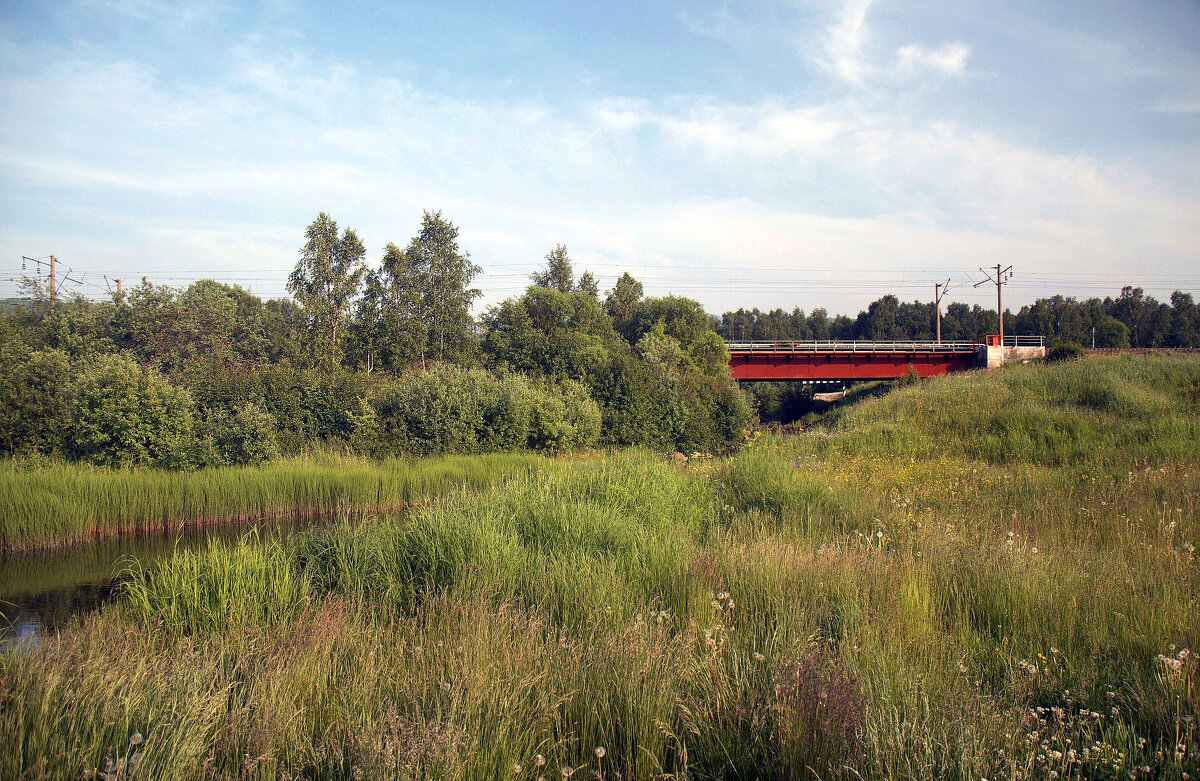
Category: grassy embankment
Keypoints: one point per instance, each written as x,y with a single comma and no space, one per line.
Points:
43,506
979,576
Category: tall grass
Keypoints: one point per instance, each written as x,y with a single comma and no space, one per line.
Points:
47,505
225,584
816,607
1112,411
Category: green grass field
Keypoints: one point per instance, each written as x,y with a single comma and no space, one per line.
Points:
980,576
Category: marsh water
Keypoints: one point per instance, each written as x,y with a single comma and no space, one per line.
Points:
41,591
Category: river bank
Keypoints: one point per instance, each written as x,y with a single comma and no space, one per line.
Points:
43,507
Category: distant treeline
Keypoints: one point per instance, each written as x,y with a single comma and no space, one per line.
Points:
1133,319
382,361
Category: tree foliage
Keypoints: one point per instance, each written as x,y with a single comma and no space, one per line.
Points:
326,279
557,274
432,278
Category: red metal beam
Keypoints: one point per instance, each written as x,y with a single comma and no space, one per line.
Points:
809,364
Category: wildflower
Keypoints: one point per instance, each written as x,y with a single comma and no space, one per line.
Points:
600,752
566,772
516,768
539,760
136,740
1033,550
758,657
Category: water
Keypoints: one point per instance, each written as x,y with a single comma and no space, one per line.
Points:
41,591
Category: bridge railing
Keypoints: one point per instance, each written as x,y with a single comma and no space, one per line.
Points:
1024,341
823,347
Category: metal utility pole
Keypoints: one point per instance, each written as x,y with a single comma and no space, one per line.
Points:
53,260
937,302
1002,276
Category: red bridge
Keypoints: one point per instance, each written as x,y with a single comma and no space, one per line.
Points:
849,361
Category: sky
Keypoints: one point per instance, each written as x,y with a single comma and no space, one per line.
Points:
766,153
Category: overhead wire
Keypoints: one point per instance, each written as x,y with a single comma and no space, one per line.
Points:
664,277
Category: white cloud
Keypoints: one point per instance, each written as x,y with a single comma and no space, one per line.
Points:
845,41
845,52
950,59
720,130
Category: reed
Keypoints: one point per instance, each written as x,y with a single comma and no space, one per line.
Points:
50,505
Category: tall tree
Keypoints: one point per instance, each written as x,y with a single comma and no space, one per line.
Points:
440,275
326,279
558,274
588,285
405,309
368,326
622,300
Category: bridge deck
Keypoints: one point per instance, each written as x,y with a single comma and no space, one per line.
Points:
848,361
788,348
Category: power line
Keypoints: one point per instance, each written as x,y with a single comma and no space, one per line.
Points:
665,277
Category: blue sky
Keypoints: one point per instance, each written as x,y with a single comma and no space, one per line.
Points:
746,154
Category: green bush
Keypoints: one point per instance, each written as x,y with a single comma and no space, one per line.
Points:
452,410
246,434
1064,351
123,414
35,403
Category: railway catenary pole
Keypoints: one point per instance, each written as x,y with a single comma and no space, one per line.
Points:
1000,304
937,303
1002,276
